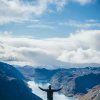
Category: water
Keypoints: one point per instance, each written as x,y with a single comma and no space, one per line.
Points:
42,94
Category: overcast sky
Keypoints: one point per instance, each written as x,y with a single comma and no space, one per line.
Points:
49,32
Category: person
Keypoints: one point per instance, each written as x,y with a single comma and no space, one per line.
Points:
50,92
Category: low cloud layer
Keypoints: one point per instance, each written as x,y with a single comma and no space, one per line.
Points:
80,47
43,94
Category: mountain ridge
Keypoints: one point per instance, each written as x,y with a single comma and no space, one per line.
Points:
70,78
13,85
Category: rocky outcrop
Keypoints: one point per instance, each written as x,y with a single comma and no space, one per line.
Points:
93,94
73,84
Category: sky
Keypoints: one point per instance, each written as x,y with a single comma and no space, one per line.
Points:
49,32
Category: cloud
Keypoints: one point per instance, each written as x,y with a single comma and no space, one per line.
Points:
60,4
80,47
41,26
19,10
87,24
16,11
43,95
74,24
84,2
80,56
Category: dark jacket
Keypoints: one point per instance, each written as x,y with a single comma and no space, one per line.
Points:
50,92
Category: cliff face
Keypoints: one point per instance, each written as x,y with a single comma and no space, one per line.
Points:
93,94
75,84
13,86
86,82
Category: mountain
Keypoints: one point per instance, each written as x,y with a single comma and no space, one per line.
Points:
93,94
75,84
13,85
75,81
43,74
37,74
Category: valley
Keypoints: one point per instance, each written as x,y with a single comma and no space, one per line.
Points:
76,82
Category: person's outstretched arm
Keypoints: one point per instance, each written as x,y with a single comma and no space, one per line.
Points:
56,90
43,89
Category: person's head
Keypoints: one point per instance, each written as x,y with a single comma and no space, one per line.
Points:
49,86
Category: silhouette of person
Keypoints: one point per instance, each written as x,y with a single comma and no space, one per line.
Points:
50,92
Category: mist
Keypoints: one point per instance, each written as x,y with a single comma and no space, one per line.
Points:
43,95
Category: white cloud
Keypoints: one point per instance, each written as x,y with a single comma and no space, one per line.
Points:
43,94
91,23
60,4
81,47
17,11
41,26
84,2
81,56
